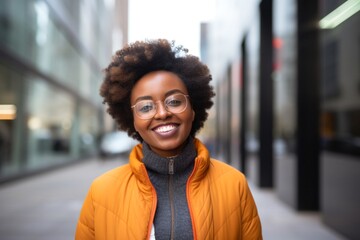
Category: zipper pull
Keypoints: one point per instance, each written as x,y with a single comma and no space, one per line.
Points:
171,166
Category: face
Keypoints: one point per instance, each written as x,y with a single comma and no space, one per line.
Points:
165,132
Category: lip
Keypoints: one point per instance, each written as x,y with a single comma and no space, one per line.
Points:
166,130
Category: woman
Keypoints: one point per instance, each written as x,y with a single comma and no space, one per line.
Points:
171,188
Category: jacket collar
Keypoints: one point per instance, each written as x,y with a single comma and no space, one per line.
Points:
171,165
202,162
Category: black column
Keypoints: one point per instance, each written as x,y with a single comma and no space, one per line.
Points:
228,144
308,101
243,104
266,96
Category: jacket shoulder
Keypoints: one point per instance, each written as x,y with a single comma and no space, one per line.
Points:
110,181
113,175
224,176
234,182
221,169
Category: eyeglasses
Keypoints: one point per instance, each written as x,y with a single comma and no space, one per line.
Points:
147,109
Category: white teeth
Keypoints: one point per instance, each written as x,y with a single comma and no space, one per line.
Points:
165,128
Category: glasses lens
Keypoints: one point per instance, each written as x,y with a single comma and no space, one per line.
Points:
176,103
145,109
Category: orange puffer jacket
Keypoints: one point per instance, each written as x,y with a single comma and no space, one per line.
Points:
121,203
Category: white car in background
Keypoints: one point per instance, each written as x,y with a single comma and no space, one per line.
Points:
116,143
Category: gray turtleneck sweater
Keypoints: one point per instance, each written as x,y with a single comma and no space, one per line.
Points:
169,177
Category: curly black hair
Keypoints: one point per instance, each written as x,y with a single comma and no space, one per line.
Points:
135,60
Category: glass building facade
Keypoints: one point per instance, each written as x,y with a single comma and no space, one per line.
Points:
51,58
298,125
340,94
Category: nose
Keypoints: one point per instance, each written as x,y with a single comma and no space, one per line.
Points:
161,111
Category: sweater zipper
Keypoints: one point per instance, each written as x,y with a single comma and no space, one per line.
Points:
171,197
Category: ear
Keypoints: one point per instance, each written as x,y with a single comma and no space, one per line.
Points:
193,115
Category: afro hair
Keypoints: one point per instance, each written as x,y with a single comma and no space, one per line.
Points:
135,60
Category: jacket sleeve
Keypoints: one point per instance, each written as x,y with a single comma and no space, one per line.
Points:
251,225
85,225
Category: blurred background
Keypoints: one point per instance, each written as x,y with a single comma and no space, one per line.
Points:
287,107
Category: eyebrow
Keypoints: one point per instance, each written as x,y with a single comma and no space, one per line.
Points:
169,93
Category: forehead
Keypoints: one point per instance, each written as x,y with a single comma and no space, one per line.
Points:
156,85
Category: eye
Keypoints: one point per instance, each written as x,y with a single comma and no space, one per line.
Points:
145,107
174,102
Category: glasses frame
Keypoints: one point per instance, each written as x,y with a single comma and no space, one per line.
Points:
163,101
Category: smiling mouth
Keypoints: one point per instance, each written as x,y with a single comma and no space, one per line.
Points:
165,128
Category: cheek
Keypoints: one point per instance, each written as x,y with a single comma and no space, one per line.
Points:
189,119
141,125
137,125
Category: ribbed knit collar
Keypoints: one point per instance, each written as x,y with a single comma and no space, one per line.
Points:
161,165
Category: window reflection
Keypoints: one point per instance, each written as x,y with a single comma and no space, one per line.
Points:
50,71
50,117
89,130
340,115
32,32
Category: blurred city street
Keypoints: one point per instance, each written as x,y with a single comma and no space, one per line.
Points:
47,206
286,107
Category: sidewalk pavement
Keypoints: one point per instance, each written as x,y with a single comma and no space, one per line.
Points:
47,207
279,221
